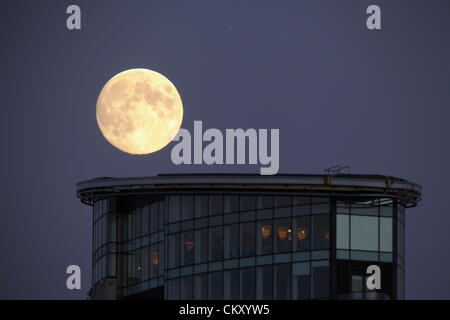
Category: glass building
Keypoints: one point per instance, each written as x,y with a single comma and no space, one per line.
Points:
232,236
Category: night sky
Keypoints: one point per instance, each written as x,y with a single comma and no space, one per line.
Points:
339,93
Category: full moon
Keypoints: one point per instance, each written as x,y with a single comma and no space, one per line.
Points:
139,111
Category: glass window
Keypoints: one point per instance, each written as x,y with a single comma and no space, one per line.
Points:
364,255
283,201
104,228
342,231
160,260
282,212
201,287
264,283
105,207
130,225
247,284
248,239
154,217
173,289
343,207
112,265
231,218
282,281
386,207
231,204
215,205
357,283
231,241
216,243
188,248
161,208
320,279
201,245
187,207
138,266
112,233
265,237
104,268
145,212
301,206
174,208
95,210
201,206
321,232
247,216
368,207
283,237
216,285
320,206
230,286
265,202
187,288
301,233
154,261
301,281
386,234
174,249
364,233
248,203
215,221
283,206
143,264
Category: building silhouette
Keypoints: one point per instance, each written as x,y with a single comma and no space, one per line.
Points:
240,236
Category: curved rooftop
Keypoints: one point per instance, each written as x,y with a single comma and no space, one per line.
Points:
341,184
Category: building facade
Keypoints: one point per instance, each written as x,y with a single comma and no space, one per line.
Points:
220,236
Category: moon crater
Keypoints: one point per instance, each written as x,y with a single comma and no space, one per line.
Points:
139,111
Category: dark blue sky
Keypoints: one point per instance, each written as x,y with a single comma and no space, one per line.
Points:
340,94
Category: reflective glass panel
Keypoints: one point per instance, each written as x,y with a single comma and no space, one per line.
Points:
231,241
282,281
188,248
248,203
201,245
154,260
201,287
321,232
231,204
201,206
215,205
216,285
301,233
265,237
301,281
283,237
216,243
187,288
342,231
231,282
247,284
187,207
264,282
320,279
173,289
364,233
265,202
174,249
248,239
174,208
386,234
154,217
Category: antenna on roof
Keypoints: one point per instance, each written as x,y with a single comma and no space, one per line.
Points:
337,169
